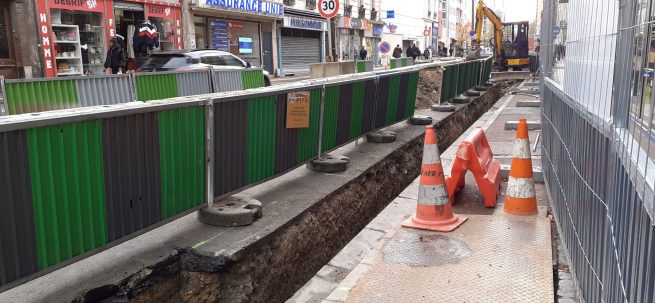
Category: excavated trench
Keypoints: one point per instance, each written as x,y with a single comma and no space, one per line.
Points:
277,265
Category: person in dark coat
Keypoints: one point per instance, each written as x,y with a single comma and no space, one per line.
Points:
426,53
115,57
450,51
408,51
397,52
415,52
362,53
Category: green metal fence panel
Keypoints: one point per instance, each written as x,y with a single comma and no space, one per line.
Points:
392,105
357,113
28,97
361,66
260,154
66,169
182,158
156,86
252,78
461,78
308,137
330,118
393,63
411,94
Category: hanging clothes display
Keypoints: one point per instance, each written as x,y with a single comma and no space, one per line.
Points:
145,37
130,42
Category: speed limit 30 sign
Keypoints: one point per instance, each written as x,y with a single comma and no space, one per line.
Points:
328,8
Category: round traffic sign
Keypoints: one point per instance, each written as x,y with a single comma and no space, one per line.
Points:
328,8
472,33
384,47
556,30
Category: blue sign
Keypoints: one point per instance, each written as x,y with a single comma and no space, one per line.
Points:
251,6
220,35
311,24
556,30
391,14
384,47
377,30
472,33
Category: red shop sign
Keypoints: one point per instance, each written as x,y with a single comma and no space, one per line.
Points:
78,5
161,11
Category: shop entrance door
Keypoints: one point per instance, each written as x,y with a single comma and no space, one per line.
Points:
267,51
8,68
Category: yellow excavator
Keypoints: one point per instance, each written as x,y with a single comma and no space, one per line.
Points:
510,42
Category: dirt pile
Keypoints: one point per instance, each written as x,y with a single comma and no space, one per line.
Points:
429,88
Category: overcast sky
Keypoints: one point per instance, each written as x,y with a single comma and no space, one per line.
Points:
515,10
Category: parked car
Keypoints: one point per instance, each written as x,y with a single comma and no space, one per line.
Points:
193,59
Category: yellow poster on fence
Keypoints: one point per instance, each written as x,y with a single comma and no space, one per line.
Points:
298,109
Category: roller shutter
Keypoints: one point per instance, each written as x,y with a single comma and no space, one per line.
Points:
298,53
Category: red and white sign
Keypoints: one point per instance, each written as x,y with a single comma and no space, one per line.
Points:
46,40
160,11
78,5
328,8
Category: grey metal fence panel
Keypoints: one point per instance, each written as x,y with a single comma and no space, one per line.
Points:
603,220
195,82
227,80
3,97
104,90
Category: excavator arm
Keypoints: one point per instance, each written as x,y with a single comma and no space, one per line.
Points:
482,11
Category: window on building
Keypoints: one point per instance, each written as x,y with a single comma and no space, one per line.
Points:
4,35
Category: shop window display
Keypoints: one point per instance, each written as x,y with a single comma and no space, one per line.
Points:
79,37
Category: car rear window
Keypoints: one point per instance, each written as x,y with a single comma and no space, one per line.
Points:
157,62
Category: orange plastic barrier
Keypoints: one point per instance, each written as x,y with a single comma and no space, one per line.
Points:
474,155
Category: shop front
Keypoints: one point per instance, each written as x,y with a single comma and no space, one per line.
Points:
373,37
75,34
246,29
350,32
303,40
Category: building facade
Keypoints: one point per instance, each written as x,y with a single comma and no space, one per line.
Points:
357,25
412,25
247,29
303,36
18,36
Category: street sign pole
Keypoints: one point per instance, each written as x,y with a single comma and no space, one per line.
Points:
329,34
328,9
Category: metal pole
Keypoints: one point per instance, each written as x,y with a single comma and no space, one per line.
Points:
3,106
320,122
443,73
329,32
209,151
133,90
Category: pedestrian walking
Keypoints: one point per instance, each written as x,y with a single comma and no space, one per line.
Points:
115,57
451,51
408,51
426,53
415,52
397,52
362,53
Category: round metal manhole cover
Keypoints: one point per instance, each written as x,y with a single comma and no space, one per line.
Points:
424,250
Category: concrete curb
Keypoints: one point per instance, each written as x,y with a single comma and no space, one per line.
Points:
537,173
532,125
526,103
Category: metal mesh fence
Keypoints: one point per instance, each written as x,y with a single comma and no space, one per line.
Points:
596,62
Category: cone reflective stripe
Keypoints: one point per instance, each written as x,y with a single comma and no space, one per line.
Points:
520,198
433,210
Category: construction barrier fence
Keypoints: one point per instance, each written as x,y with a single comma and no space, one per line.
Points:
458,77
76,182
46,94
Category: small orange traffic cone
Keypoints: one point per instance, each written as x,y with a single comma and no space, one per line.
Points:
520,198
433,210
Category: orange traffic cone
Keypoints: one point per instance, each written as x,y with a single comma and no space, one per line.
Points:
520,198
433,211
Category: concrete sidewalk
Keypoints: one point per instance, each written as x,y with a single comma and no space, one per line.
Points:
493,257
